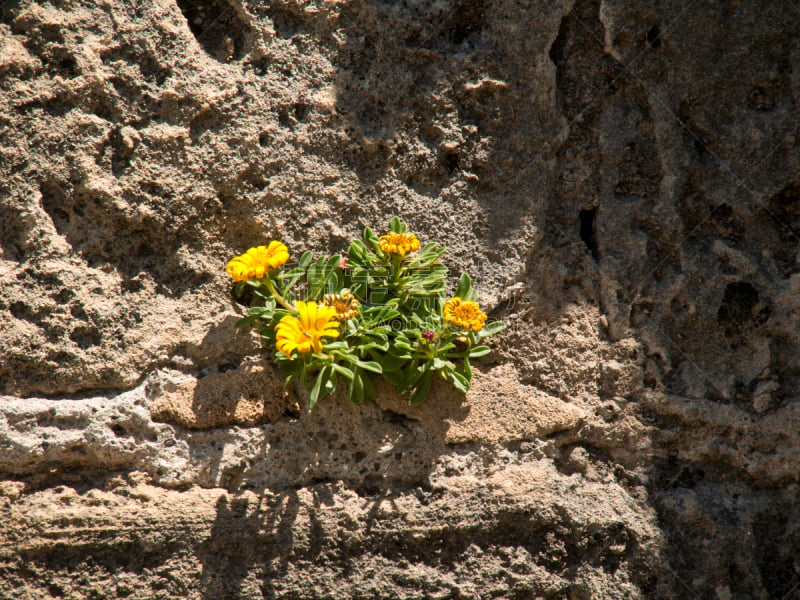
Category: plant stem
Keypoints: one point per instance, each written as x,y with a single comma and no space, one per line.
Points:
397,261
278,297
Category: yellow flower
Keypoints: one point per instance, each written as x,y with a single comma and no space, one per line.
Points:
255,263
346,305
398,243
466,315
305,331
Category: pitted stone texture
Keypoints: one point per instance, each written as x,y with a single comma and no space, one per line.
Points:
338,440
189,141
619,177
502,527
497,408
249,395
117,432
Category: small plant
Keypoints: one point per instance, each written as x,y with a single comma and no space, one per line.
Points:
382,309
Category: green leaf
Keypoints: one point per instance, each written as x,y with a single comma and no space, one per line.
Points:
464,289
492,328
369,388
244,322
343,371
330,384
356,389
371,240
372,346
357,253
467,369
397,226
479,351
321,378
420,392
461,383
439,364
394,377
336,347
370,366
427,255
412,376
289,381
392,362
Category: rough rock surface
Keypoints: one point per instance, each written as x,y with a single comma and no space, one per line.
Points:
620,178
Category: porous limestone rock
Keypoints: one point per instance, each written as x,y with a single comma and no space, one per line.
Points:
619,178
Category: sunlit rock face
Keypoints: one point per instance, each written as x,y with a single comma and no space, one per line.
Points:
620,179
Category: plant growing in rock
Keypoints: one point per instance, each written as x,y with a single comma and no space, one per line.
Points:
382,309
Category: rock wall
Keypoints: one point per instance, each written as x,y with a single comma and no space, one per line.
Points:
620,178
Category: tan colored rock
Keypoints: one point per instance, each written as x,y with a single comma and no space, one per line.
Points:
249,395
622,186
498,408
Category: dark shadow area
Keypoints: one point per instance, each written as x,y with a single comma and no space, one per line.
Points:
218,28
587,231
235,544
700,287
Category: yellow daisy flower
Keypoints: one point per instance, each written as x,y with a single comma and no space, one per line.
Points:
466,315
305,331
398,243
256,262
346,305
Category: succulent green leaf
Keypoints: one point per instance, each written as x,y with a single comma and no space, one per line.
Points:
492,328
343,371
397,226
479,351
356,389
461,383
370,366
422,389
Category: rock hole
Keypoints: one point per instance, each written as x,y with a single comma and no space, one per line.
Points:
654,36
118,430
216,27
301,111
287,23
371,486
78,312
120,153
284,119
738,302
242,295
19,310
451,161
131,285
468,19
261,67
63,296
740,306
701,147
761,98
54,200
224,367
777,546
85,337
12,226
587,232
